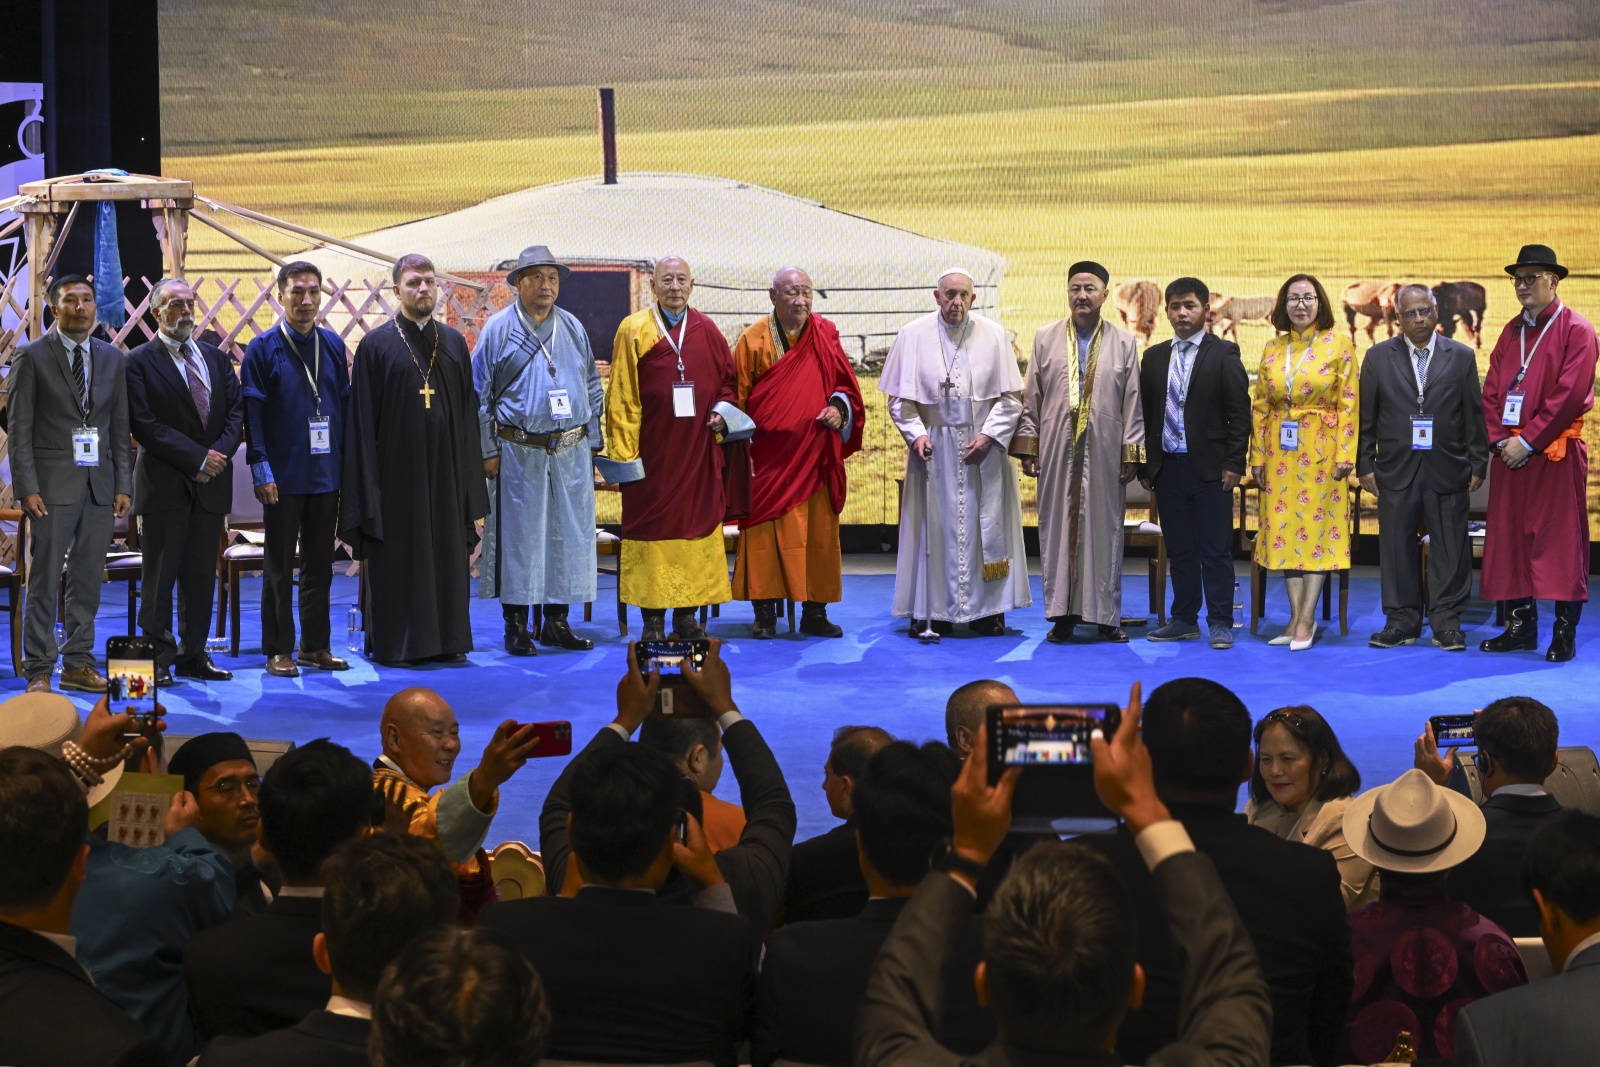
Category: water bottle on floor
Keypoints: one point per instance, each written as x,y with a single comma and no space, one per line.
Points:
357,642
1238,606
61,634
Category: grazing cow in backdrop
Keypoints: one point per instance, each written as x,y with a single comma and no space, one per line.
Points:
1227,312
1465,301
1375,300
1137,302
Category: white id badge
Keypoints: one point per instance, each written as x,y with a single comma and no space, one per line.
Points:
683,400
1289,436
1421,431
86,447
1512,416
320,441
560,404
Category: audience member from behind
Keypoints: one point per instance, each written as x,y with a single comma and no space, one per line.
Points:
219,771
1419,955
421,740
815,973
1552,1020
696,746
51,1015
460,998
1517,739
1198,734
1059,966
964,712
313,799
825,879
755,868
630,977
382,893
1301,785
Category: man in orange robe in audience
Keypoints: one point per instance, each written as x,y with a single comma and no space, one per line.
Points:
799,388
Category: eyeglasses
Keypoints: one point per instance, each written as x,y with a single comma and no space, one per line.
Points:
229,787
1307,300
1523,281
1288,717
1417,314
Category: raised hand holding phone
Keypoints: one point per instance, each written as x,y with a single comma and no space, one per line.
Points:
1122,774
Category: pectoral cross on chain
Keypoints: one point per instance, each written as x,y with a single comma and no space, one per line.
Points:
426,392
947,387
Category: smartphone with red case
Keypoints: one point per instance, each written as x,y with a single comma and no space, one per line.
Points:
555,738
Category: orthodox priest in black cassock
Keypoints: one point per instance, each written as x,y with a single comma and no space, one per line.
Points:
413,487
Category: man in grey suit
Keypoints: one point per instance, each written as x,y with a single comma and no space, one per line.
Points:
1552,1020
72,472
1061,937
1424,448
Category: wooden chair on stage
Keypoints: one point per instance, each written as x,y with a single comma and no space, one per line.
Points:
125,564
1477,531
12,578
730,545
1141,527
245,524
1258,573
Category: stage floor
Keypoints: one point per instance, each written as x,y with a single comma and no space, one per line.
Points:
799,689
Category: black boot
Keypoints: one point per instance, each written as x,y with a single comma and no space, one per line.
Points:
1564,634
519,642
815,622
556,633
766,624
1522,629
686,625
655,624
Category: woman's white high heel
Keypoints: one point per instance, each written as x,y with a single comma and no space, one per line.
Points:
1301,646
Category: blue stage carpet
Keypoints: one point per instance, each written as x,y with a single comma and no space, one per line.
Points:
798,690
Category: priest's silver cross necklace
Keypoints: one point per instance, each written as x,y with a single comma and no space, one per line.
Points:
948,386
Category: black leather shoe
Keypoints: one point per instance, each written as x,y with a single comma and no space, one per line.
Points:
1451,640
519,642
814,621
1391,637
655,625
1564,635
988,626
164,679
202,668
765,628
449,657
1522,629
1061,632
1115,634
557,634
686,625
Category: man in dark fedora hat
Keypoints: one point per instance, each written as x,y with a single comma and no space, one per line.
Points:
1539,388
539,400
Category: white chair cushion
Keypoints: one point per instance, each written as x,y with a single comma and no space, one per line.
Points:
605,537
244,552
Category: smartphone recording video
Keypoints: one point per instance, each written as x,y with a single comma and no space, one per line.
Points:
670,656
1051,742
1453,731
131,683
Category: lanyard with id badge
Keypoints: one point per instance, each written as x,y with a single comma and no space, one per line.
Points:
683,388
1421,423
85,440
560,400
1511,415
321,437
1289,429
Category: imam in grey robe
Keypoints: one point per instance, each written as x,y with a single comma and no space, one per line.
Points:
1082,434
961,550
538,539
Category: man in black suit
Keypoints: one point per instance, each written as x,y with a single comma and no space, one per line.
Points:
1517,740
51,1015
631,978
1423,449
186,412
1059,963
312,800
815,973
825,879
1552,1020
1194,387
754,869
1287,895
384,892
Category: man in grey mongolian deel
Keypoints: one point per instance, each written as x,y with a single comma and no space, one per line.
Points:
539,401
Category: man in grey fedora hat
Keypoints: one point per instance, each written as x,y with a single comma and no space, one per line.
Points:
539,401
1539,389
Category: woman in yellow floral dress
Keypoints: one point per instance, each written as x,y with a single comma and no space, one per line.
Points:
1302,448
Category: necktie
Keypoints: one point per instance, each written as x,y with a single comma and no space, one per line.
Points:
197,386
1420,355
1172,422
80,377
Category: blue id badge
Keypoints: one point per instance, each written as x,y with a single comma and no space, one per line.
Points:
1289,436
321,442
560,404
1421,432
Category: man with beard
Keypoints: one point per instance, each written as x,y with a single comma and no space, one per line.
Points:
413,478
186,412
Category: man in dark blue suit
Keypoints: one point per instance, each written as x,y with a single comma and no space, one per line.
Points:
185,411
1552,1020
1517,739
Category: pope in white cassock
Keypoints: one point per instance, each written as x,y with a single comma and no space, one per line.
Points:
956,396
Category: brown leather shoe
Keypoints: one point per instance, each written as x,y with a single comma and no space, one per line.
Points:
84,680
282,666
323,661
40,684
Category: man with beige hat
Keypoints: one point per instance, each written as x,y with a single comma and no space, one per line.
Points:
1419,956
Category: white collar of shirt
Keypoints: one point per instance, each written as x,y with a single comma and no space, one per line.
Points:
1414,350
354,1009
1521,789
66,942
395,767
1582,946
1193,339
314,891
